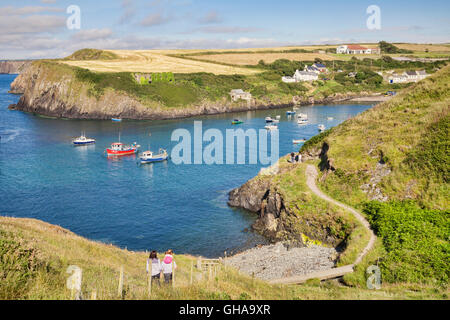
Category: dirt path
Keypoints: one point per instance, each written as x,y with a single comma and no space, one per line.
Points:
311,177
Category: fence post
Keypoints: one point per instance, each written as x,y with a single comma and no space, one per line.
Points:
210,272
173,275
94,294
192,270
120,288
150,280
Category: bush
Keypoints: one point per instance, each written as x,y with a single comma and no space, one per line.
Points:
416,241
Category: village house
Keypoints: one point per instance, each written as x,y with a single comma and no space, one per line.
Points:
300,76
356,49
316,68
408,76
237,94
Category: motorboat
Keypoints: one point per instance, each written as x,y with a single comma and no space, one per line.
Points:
290,113
302,116
120,149
82,140
116,119
148,156
302,121
321,127
298,141
269,120
271,127
237,121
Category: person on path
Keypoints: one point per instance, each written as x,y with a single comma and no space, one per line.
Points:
168,266
155,264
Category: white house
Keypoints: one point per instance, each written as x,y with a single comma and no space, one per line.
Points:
316,68
288,79
356,49
408,76
397,78
237,94
305,76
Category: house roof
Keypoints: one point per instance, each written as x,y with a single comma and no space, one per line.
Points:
411,73
356,47
319,65
306,73
422,73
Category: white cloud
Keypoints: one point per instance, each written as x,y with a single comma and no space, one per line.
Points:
154,19
211,17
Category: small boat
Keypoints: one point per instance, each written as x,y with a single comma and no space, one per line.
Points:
119,149
298,141
302,121
148,156
269,120
330,118
321,127
116,119
271,127
302,116
82,140
237,121
290,113
278,117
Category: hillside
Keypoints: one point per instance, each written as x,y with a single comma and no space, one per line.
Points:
35,256
392,163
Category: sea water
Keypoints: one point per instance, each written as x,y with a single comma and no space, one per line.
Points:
140,207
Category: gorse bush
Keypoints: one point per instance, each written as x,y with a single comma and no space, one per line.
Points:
416,241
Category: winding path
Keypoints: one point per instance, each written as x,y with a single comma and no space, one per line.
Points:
311,177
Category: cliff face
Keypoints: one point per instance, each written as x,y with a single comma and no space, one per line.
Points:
13,67
60,94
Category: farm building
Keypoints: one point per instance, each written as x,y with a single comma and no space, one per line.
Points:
356,49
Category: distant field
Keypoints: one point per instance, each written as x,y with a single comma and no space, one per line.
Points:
423,47
155,61
253,58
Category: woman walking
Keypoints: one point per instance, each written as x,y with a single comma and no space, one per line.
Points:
155,264
168,266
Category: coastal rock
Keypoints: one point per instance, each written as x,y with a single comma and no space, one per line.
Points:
13,66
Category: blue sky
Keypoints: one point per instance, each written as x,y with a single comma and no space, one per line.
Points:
37,29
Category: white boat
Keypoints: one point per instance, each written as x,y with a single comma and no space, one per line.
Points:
269,120
82,140
278,117
302,116
290,113
321,127
302,121
330,118
271,127
298,141
148,156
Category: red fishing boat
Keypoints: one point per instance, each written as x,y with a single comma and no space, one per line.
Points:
119,149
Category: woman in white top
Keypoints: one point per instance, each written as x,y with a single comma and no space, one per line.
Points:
167,266
155,264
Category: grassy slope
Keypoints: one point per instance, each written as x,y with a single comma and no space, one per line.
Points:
35,255
410,134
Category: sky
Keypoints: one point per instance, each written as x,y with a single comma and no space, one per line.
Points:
38,29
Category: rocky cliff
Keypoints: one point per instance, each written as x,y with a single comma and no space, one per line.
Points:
13,67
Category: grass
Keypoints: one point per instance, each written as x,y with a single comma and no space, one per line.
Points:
40,254
92,54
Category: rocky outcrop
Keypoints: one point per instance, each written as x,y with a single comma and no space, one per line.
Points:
59,94
13,66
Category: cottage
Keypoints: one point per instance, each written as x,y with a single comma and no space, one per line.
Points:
311,69
321,67
397,78
288,79
305,76
356,49
237,94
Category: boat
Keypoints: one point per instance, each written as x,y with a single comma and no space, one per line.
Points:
120,149
290,113
302,116
269,120
298,141
321,127
116,119
82,140
330,118
237,121
148,156
271,127
302,121
278,117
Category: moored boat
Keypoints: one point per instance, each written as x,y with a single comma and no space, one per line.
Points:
271,127
321,127
116,119
269,120
119,149
302,121
298,141
237,121
290,113
148,156
82,140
